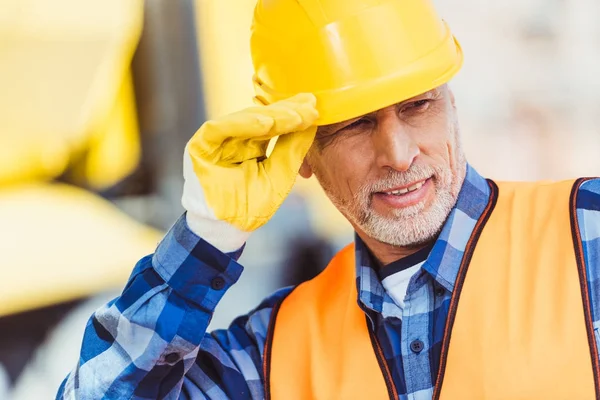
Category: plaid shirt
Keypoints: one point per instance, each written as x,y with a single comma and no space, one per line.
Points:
150,343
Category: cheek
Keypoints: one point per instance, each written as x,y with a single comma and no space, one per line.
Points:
346,166
440,144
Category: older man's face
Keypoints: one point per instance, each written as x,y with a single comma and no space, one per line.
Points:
395,174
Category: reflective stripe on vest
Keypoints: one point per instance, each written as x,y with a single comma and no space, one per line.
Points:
519,324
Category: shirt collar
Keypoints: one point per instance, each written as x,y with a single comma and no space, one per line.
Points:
446,255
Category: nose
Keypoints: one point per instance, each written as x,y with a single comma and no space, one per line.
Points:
394,145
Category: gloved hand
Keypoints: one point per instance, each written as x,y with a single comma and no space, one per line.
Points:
231,188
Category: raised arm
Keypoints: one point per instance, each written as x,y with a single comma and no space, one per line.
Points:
151,341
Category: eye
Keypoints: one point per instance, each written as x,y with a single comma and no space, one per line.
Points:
360,123
416,106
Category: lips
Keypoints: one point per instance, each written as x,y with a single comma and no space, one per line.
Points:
402,197
406,189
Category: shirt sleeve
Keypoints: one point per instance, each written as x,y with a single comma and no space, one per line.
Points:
151,342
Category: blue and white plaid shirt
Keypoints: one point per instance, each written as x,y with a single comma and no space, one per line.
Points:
150,343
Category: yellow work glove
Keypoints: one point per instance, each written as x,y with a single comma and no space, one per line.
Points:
231,188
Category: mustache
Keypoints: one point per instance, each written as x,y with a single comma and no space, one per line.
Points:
396,178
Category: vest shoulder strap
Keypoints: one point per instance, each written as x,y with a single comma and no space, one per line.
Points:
320,345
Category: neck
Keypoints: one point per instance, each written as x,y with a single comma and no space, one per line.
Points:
387,253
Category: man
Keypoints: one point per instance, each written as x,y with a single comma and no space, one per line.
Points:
456,287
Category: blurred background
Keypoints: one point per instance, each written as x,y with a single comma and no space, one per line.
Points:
97,101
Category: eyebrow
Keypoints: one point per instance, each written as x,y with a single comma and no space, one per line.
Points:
326,129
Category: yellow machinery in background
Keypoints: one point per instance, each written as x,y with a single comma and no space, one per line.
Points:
66,104
66,89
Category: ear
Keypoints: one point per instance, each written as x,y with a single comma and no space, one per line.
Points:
451,94
305,169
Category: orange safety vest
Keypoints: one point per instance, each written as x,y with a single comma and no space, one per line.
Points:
519,323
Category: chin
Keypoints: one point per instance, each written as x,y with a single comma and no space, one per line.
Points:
409,227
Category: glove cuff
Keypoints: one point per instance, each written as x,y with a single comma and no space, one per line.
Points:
222,235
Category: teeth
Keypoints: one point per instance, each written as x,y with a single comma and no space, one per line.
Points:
408,189
415,186
401,191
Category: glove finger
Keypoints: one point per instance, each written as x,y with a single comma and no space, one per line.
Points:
231,153
287,116
261,123
283,164
295,114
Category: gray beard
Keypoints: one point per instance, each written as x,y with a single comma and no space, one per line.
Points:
409,226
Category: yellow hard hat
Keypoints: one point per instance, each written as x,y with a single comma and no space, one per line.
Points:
356,56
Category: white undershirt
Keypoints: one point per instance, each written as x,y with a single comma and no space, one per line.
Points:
397,284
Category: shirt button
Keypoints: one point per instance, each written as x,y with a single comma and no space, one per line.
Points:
439,292
172,358
417,346
217,283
